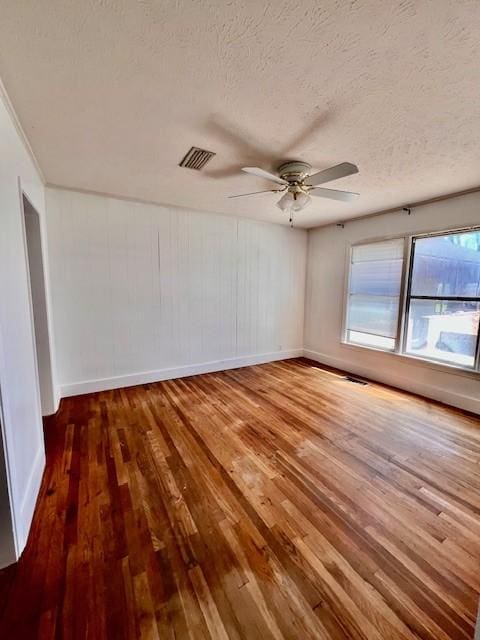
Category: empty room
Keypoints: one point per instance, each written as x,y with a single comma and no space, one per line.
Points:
240,320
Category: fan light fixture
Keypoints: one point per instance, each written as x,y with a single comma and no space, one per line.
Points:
293,201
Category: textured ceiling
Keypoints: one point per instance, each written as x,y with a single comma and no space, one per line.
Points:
112,93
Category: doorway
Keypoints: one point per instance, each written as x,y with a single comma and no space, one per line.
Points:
38,298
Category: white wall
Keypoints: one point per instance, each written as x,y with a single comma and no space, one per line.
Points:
143,292
23,436
327,262
7,537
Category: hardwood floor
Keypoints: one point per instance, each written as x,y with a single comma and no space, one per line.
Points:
275,501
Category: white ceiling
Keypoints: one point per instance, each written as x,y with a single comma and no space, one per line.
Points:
112,93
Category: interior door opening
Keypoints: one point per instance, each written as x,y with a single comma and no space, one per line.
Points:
33,239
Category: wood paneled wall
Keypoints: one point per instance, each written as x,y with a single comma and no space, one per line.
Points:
143,288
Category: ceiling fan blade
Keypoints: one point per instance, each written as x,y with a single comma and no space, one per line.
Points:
261,173
252,193
333,173
333,194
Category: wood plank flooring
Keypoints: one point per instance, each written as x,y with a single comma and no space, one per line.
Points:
275,501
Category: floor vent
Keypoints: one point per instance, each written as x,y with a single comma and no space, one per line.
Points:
196,158
356,381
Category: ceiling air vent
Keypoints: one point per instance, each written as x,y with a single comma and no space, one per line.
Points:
196,158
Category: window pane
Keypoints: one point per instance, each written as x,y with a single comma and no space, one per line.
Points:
374,290
445,331
376,315
447,265
375,251
374,278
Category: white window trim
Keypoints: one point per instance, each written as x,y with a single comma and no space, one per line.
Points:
400,340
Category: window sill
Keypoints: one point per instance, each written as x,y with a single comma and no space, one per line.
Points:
421,362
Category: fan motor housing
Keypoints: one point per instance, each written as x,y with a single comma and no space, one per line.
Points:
294,171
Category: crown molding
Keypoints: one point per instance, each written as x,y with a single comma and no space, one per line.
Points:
170,205
4,97
400,208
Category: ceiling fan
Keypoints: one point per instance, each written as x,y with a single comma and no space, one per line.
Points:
298,185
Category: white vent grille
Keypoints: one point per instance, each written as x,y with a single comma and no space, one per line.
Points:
196,158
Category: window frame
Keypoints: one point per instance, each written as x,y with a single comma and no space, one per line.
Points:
405,298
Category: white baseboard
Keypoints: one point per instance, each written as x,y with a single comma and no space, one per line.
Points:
29,501
130,380
379,375
412,385
53,405
58,397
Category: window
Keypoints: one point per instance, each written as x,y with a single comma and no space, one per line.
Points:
444,298
442,301
374,293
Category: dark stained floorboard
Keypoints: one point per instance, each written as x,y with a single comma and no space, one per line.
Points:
274,501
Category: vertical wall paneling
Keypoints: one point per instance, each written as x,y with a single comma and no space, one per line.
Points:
143,292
